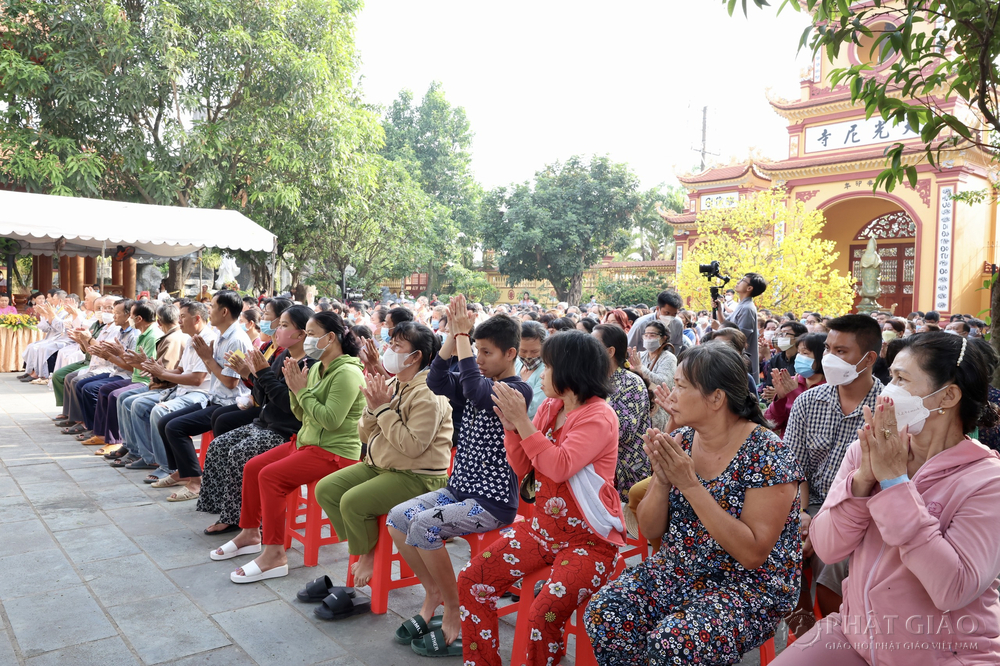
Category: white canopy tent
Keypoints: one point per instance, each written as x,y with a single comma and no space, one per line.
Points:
44,223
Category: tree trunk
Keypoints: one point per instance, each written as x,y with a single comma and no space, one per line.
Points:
180,271
995,325
575,291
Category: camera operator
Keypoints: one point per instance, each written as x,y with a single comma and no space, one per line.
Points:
667,305
745,315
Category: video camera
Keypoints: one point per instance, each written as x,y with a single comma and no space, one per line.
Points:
711,272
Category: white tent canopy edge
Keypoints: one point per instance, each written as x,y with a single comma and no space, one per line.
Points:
39,221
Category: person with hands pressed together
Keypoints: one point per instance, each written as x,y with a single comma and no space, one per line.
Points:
327,399
655,363
225,388
482,491
572,448
913,506
724,496
408,433
786,388
273,422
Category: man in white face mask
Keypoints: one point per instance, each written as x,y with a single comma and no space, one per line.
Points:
822,424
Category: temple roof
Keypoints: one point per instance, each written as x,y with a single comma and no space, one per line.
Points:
679,218
717,173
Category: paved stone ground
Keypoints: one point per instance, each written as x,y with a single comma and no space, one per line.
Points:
97,568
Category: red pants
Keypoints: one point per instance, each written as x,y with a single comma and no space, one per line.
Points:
271,476
577,572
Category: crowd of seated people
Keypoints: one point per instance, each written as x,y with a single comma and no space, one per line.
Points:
777,465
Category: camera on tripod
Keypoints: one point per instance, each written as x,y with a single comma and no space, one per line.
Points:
711,272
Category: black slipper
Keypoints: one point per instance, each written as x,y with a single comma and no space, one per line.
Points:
416,627
339,605
434,645
230,528
320,589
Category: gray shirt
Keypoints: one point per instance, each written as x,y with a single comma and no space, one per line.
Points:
745,316
675,329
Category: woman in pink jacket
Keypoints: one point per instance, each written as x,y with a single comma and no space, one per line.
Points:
915,507
572,446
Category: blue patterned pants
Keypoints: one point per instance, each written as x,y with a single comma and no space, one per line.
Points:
428,519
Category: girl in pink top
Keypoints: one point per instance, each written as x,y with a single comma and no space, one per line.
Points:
915,507
572,446
5,306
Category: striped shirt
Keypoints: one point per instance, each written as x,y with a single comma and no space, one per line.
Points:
818,433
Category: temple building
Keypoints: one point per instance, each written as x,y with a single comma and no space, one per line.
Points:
935,252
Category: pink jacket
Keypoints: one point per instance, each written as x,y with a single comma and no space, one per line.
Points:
590,435
925,556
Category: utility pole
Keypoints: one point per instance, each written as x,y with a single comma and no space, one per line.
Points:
704,137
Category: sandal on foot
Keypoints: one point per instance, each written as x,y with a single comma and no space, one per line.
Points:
166,482
183,496
231,550
74,430
108,448
156,476
139,463
65,423
116,454
86,436
227,530
252,573
125,461
434,645
416,627
60,417
338,606
320,589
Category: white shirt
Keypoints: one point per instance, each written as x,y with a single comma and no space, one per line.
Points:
191,362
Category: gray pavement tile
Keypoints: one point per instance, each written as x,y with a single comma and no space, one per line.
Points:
96,543
167,628
369,638
33,573
105,652
227,656
26,536
210,587
72,515
15,455
117,495
63,493
145,519
273,633
8,487
74,459
56,620
41,473
287,586
7,656
346,660
175,549
124,580
103,476
14,509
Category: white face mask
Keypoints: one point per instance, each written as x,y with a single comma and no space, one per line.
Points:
768,335
651,343
703,321
107,317
838,371
783,343
393,361
311,348
910,410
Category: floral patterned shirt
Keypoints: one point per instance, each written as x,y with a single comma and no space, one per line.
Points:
630,400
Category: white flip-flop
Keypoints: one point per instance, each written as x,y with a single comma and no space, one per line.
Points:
231,550
252,573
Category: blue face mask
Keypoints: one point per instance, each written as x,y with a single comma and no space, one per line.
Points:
385,335
265,328
804,366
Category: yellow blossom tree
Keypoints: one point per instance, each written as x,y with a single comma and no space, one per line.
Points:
768,234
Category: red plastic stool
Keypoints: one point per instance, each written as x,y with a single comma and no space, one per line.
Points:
382,580
584,649
807,582
206,439
637,546
305,522
767,652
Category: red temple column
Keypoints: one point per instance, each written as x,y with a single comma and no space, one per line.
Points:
76,276
89,271
44,273
116,272
128,278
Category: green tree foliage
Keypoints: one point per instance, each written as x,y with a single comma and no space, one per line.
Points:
190,102
643,289
433,139
472,283
568,219
652,239
941,49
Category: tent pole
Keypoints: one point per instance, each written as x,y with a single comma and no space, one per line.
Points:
201,275
103,248
274,265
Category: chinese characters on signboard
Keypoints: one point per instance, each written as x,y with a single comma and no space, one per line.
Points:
942,284
855,133
678,259
723,200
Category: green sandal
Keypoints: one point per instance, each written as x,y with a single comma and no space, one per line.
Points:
434,645
416,627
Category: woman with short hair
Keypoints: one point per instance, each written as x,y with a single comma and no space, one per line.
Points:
724,497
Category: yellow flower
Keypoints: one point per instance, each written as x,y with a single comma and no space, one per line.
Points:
564,562
473,647
487,554
550,617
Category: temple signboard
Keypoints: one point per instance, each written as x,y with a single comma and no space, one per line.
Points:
854,133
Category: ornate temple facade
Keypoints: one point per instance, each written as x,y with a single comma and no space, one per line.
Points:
935,251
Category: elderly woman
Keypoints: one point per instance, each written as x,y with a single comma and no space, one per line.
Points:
656,362
572,447
914,506
724,497
629,399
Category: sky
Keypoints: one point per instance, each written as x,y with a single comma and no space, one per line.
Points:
542,80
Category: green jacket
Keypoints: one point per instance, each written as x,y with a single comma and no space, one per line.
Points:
330,407
146,342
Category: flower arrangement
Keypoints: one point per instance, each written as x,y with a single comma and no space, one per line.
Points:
17,322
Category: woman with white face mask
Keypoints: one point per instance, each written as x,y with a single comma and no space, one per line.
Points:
914,506
656,362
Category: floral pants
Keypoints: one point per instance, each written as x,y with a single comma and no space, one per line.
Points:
578,570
